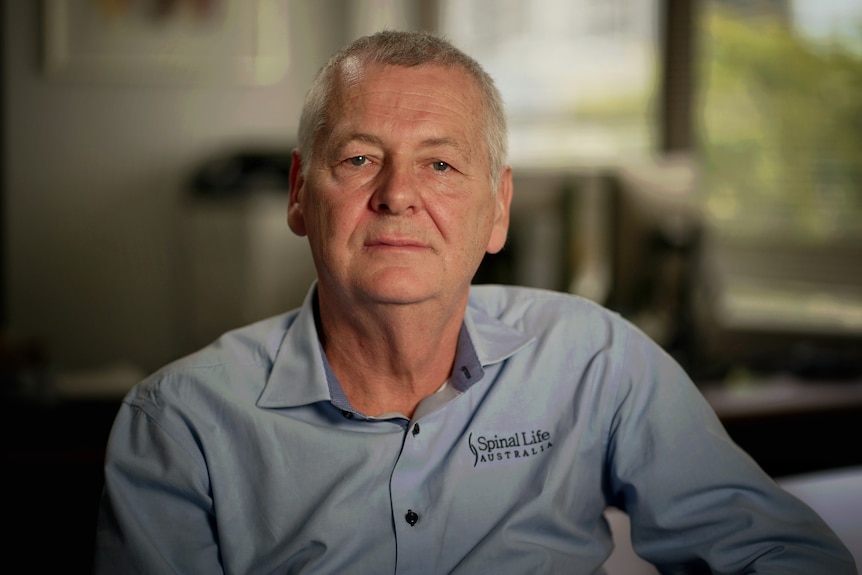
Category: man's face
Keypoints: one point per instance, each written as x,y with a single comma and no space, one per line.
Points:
398,204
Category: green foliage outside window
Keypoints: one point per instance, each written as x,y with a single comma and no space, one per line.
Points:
780,131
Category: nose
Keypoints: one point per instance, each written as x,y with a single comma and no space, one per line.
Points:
396,191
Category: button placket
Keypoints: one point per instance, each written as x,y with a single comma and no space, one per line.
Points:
410,515
412,496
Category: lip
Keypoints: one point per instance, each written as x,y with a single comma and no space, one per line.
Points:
394,242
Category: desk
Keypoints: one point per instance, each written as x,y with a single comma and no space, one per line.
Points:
780,396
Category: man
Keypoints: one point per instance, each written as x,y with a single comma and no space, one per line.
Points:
404,421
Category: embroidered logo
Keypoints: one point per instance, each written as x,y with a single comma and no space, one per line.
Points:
519,445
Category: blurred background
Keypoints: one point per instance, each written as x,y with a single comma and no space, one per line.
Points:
694,165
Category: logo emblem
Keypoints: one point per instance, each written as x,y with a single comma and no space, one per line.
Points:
518,445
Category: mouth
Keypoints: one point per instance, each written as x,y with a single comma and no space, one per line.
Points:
395,242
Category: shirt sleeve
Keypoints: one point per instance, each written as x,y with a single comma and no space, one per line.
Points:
156,514
697,502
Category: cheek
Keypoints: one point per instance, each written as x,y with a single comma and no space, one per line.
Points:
470,230
317,223
335,223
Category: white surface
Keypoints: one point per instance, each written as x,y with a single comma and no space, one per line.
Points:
624,560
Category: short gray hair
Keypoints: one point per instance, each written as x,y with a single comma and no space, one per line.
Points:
403,49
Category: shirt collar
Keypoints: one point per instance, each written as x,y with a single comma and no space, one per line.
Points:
301,375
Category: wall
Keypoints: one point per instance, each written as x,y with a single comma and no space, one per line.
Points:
97,244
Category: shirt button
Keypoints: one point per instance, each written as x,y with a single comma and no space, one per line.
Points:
412,518
347,414
415,429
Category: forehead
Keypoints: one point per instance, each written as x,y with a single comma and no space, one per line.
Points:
425,95
354,75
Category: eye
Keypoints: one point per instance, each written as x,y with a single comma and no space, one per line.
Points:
358,161
440,166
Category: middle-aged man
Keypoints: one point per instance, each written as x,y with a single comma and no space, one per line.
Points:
402,421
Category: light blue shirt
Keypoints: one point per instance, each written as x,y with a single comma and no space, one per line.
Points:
247,458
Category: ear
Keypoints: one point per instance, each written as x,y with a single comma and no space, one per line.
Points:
295,217
503,202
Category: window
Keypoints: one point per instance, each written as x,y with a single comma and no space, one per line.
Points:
780,137
781,119
578,76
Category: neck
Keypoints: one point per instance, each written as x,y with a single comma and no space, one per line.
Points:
389,357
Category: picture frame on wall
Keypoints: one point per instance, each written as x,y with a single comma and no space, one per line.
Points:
165,42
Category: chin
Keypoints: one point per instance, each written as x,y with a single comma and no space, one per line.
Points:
399,288
399,296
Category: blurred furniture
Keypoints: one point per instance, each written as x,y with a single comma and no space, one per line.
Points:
246,262
791,425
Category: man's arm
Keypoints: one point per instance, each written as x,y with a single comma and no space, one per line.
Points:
695,499
156,514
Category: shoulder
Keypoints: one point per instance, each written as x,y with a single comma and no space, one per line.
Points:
537,311
569,330
236,364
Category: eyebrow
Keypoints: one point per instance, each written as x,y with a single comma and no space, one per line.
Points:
426,143
361,137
